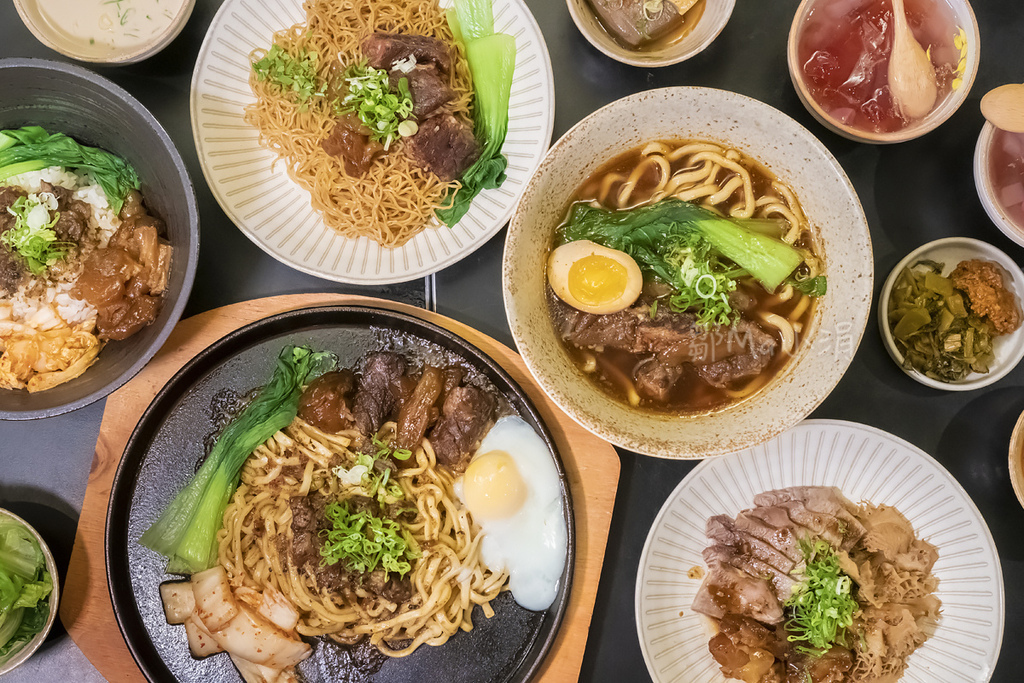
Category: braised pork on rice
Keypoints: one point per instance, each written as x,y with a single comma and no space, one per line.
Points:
762,568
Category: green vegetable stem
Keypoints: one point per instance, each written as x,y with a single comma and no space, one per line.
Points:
492,60
186,531
696,251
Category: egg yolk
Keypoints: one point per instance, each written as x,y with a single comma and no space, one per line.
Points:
493,487
597,279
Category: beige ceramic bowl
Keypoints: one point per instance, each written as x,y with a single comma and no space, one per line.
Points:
987,193
51,566
964,18
1008,348
1017,459
36,17
792,154
715,16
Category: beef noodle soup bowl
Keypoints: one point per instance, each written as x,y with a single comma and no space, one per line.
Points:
688,273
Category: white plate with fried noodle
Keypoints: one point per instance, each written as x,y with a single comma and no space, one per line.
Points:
275,213
865,464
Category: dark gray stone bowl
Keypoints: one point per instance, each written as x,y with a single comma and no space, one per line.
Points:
95,111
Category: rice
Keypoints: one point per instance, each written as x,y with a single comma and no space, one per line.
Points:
44,312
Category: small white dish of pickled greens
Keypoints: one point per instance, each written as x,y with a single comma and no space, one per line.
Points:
275,213
949,251
865,463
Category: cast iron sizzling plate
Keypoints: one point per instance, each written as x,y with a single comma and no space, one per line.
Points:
168,443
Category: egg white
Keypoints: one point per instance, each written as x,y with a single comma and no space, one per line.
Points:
531,544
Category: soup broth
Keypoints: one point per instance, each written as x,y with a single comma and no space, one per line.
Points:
699,172
1006,171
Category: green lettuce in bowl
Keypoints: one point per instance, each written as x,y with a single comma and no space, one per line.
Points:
28,596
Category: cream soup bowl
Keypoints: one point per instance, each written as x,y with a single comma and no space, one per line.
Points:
795,157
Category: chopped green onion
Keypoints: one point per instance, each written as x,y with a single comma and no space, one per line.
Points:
364,542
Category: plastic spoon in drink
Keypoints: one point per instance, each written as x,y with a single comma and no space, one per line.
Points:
1004,107
911,74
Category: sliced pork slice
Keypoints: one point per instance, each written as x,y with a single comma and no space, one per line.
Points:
383,50
784,539
818,498
727,589
782,583
842,530
721,529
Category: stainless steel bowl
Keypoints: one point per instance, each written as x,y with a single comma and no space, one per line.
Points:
51,566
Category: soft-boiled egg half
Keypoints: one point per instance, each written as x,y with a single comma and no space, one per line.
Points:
593,278
511,489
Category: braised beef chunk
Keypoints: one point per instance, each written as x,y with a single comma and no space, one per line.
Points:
350,141
747,650
420,411
8,195
379,392
12,272
635,23
12,267
466,416
443,145
327,401
382,50
720,356
426,86
655,379
122,281
74,213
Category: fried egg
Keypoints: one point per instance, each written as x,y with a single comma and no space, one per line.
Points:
593,278
512,491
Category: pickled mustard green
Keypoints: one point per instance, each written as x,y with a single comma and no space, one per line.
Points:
934,328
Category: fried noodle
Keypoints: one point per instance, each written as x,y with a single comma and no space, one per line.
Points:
394,200
448,579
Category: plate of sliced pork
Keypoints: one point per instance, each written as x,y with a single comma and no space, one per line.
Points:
835,553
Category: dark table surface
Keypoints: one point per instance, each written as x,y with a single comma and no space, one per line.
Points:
912,193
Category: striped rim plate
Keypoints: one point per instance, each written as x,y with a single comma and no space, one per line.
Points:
275,213
866,464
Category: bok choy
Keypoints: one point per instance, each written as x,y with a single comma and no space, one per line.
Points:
654,230
31,148
492,60
186,532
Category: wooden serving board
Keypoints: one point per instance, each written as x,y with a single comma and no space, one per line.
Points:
591,464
